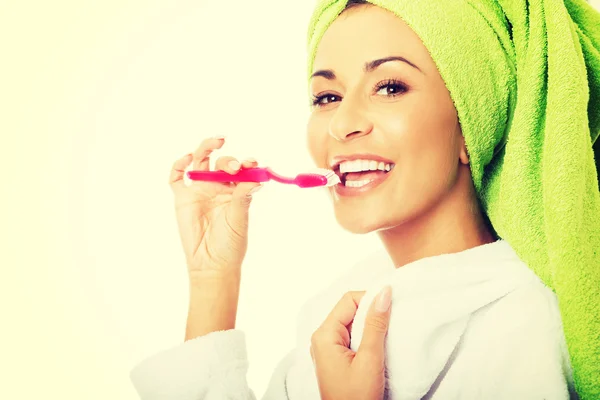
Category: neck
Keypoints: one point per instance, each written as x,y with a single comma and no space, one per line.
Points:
455,224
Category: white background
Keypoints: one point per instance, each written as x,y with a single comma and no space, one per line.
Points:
99,98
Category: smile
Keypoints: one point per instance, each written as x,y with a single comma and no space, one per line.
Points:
360,173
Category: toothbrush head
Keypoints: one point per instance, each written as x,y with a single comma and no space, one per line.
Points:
317,177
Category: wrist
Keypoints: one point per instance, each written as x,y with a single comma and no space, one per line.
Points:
213,304
209,281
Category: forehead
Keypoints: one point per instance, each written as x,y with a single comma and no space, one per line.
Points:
365,33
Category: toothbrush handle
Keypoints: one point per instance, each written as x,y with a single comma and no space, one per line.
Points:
244,175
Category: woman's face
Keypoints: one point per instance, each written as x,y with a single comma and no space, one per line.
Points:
394,114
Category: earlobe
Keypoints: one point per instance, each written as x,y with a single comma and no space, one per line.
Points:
464,157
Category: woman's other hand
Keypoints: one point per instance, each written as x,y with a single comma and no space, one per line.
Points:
343,374
212,217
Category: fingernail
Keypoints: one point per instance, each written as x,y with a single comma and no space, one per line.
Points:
219,137
384,299
255,189
251,159
234,165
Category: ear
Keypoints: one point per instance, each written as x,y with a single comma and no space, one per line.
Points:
463,154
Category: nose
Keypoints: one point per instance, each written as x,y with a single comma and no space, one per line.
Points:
350,120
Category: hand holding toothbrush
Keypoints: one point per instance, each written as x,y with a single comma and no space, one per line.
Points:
212,213
212,217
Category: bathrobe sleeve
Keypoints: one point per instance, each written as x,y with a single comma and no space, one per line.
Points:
210,367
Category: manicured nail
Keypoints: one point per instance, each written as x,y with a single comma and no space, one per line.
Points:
384,299
255,189
251,159
234,165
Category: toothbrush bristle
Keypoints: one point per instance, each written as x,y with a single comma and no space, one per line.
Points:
332,177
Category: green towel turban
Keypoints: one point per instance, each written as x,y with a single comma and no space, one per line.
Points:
530,125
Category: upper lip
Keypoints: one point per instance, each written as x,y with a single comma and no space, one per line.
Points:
334,162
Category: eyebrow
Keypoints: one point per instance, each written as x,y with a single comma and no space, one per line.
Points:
369,67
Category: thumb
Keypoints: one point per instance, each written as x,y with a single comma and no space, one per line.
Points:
237,212
371,351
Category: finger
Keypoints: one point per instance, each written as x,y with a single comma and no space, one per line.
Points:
237,215
178,171
249,163
232,165
203,152
242,197
228,164
371,352
244,191
334,330
345,309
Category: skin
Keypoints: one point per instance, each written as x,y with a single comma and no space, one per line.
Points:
341,372
427,206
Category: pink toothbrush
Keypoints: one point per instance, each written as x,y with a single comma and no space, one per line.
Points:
320,177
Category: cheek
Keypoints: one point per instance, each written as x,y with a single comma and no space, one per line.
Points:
316,137
426,138
444,139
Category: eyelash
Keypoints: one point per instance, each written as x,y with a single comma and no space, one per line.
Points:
316,100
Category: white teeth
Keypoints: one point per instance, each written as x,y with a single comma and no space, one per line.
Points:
363,165
358,184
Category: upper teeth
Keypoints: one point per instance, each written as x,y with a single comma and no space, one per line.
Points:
363,165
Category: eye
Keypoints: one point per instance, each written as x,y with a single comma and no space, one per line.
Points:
390,88
324,99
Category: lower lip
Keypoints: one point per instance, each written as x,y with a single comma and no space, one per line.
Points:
347,191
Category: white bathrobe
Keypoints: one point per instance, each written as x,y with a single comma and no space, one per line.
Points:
471,325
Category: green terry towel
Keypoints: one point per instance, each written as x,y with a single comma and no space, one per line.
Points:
530,124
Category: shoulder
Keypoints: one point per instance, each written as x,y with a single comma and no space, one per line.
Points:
532,304
517,343
515,348
529,312
529,304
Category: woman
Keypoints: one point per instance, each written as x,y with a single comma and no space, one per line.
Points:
424,141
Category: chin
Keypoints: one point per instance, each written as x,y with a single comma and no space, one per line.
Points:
359,224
